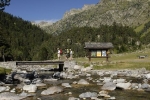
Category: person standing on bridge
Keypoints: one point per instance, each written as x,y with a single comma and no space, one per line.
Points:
58,53
71,54
67,54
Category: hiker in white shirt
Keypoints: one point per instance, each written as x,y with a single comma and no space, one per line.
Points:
58,53
71,54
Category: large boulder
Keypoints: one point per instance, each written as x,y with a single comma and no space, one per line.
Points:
109,86
77,67
124,85
147,76
119,80
83,82
67,85
19,77
30,88
52,90
2,88
88,95
11,96
107,79
145,86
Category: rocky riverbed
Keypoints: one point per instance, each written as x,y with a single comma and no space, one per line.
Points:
78,83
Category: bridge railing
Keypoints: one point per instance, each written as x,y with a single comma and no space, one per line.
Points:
60,63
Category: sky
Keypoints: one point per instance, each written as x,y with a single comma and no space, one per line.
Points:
44,10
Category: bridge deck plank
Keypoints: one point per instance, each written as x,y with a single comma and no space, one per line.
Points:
38,62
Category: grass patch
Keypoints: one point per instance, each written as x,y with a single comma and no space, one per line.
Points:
119,61
4,71
121,65
139,28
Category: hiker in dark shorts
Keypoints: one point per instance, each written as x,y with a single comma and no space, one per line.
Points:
58,53
67,54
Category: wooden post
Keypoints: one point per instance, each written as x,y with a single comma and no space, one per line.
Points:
107,55
107,58
89,55
61,67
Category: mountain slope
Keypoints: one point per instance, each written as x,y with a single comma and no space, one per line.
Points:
126,12
19,39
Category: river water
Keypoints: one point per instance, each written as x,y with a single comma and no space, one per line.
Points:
76,90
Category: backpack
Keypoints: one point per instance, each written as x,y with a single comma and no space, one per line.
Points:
61,51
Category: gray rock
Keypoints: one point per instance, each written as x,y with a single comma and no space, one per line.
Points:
63,75
107,79
119,80
83,82
67,85
2,88
134,86
103,93
10,96
52,90
30,88
40,84
147,90
145,86
122,73
19,77
51,81
88,95
73,98
77,67
24,94
123,85
109,86
147,76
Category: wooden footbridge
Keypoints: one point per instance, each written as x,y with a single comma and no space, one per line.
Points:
60,63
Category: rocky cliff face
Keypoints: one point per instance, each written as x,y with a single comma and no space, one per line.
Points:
42,23
77,11
106,12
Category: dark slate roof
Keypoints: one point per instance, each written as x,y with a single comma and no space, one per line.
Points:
98,45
